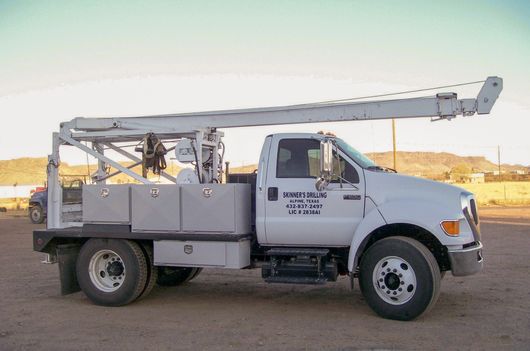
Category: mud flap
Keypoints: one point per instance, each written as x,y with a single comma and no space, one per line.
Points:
67,257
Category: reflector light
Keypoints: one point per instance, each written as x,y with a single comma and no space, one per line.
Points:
451,227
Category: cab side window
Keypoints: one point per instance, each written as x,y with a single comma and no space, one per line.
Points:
298,158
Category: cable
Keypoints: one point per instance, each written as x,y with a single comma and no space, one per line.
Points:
196,162
389,94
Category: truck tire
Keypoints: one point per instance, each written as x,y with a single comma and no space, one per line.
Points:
36,214
197,272
111,272
399,278
152,271
173,276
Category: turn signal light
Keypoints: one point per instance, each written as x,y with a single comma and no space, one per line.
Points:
451,227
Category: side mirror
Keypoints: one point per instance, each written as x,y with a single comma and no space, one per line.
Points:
326,164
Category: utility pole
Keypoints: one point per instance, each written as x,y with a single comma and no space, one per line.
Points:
394,142
499,160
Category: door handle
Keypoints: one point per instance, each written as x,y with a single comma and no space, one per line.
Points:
260,175
351,197
272,194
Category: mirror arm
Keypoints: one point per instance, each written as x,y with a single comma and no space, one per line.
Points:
350,183
338,161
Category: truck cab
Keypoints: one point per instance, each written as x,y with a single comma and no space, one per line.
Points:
360,205
360,199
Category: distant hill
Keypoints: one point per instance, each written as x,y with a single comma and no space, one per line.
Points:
32,171
426,164
435,163
29,171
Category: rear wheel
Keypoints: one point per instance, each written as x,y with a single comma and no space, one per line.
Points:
197,272
400,278
152,271
173,276
36,214
112,272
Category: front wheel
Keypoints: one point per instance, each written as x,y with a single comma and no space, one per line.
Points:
36,214
399,278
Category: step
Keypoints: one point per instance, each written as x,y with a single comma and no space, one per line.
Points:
281,251
296,280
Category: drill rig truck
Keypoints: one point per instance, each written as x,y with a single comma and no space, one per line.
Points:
315,208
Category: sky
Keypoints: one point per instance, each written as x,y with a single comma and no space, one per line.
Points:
63,59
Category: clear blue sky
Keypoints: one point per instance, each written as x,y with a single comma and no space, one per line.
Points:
61,59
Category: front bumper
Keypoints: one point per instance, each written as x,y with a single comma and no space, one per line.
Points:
466,261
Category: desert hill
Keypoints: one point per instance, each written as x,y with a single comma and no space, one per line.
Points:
30,171
435,163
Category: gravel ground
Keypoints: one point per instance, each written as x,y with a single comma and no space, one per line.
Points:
224,310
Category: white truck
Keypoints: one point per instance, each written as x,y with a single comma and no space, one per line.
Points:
314,209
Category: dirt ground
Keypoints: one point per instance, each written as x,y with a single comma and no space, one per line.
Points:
224,310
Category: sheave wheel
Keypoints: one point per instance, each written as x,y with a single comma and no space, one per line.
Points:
36,215
399,278
173,276
111,272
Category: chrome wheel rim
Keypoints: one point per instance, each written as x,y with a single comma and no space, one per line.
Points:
394,280
106,270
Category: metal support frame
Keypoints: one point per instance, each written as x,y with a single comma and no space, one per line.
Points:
102,159
138,160
54,213
102,167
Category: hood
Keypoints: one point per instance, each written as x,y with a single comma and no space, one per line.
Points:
384,187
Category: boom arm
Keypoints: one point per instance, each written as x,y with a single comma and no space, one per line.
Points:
441,106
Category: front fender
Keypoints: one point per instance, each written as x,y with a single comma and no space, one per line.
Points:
428,215
420,213
371,222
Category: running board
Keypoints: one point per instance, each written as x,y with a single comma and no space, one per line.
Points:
281,251
296,280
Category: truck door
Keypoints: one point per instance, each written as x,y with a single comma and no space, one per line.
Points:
295,212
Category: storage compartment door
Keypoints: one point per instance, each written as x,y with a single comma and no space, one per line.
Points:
208,208
106,204
155,207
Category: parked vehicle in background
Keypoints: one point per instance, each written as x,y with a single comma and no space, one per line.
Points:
38,202
38,205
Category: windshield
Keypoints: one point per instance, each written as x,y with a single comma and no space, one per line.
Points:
355,155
